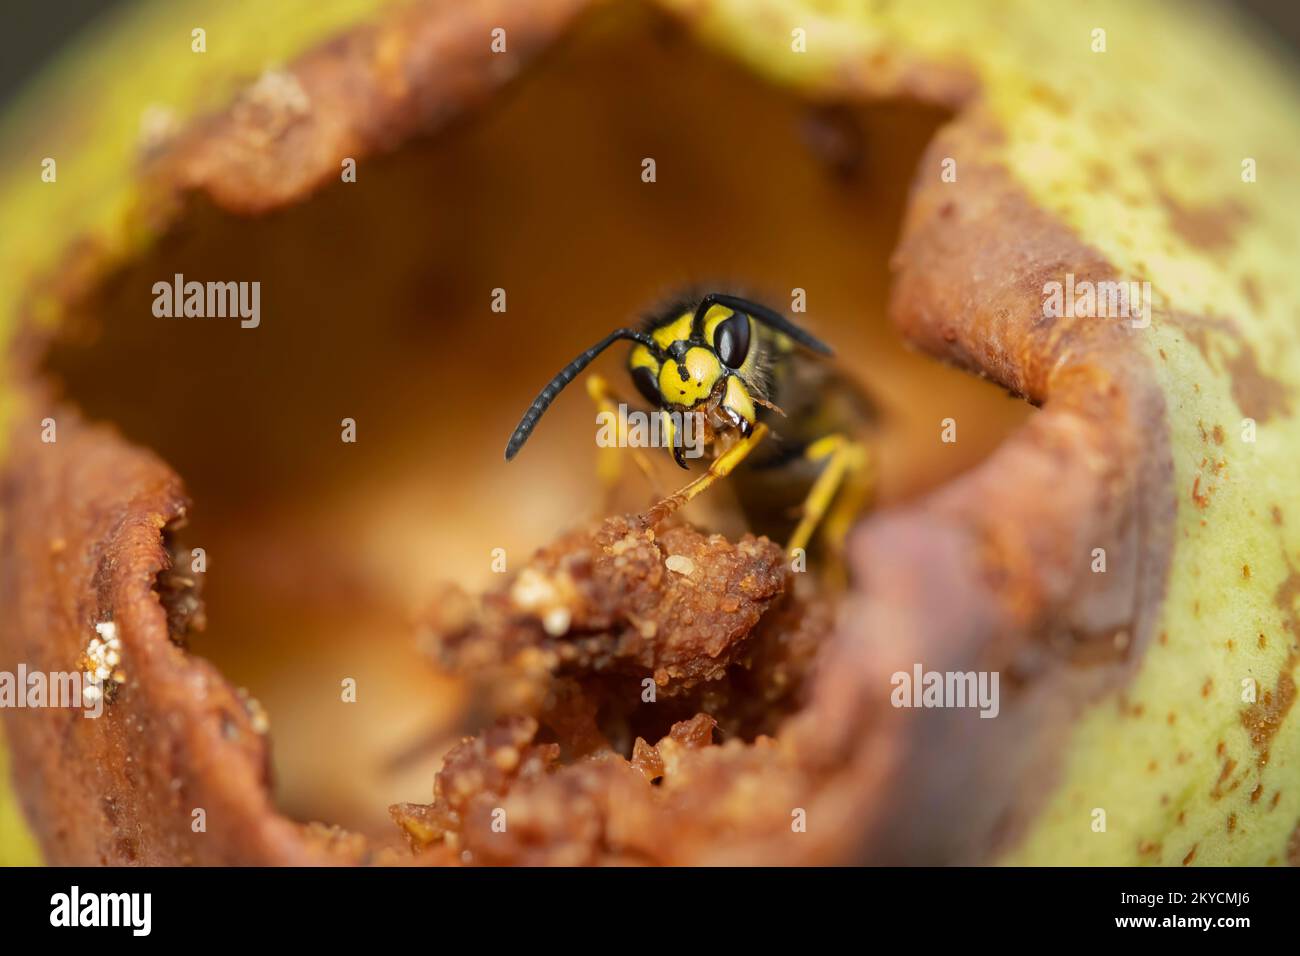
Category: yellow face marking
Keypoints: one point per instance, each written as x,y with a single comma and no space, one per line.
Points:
702,373
716,315
738,400
678,330
642,356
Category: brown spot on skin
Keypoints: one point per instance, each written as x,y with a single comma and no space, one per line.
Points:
1206,687
1210,229
1232,822
1191,855
1218,434
1182,817
1100,176
1262,642
1258,395
1182,758
1220,748
1148,847
1257,793
1231,645
1164,638
1152,767
1250,289
1277,515
1263,718
1245,571
1277,795
1172,718
1200,499
1228,766
1061,106
1293,846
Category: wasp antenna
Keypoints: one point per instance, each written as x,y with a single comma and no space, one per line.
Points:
562,378
768,317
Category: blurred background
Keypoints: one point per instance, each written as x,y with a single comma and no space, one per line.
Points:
35,29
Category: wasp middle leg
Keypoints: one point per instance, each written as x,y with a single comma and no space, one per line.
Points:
846,470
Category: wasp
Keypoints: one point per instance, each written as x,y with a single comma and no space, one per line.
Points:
763,395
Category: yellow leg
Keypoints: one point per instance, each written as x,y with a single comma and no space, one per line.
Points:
609,466
719,468
854,498
846,460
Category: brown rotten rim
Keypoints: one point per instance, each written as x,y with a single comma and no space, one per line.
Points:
325,556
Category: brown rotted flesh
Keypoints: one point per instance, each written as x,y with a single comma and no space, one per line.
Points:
598,646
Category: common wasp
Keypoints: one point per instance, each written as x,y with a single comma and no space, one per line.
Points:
729,361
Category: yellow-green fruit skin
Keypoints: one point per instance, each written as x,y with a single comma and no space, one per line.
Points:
1167,142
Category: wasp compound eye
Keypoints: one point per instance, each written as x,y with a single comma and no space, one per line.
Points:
647,383
731,340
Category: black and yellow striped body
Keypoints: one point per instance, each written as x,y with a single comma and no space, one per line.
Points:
745,374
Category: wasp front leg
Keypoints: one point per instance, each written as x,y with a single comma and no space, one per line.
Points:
846,470
720,468
609,467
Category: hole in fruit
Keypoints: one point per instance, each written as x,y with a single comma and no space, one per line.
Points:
178,586
376,306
